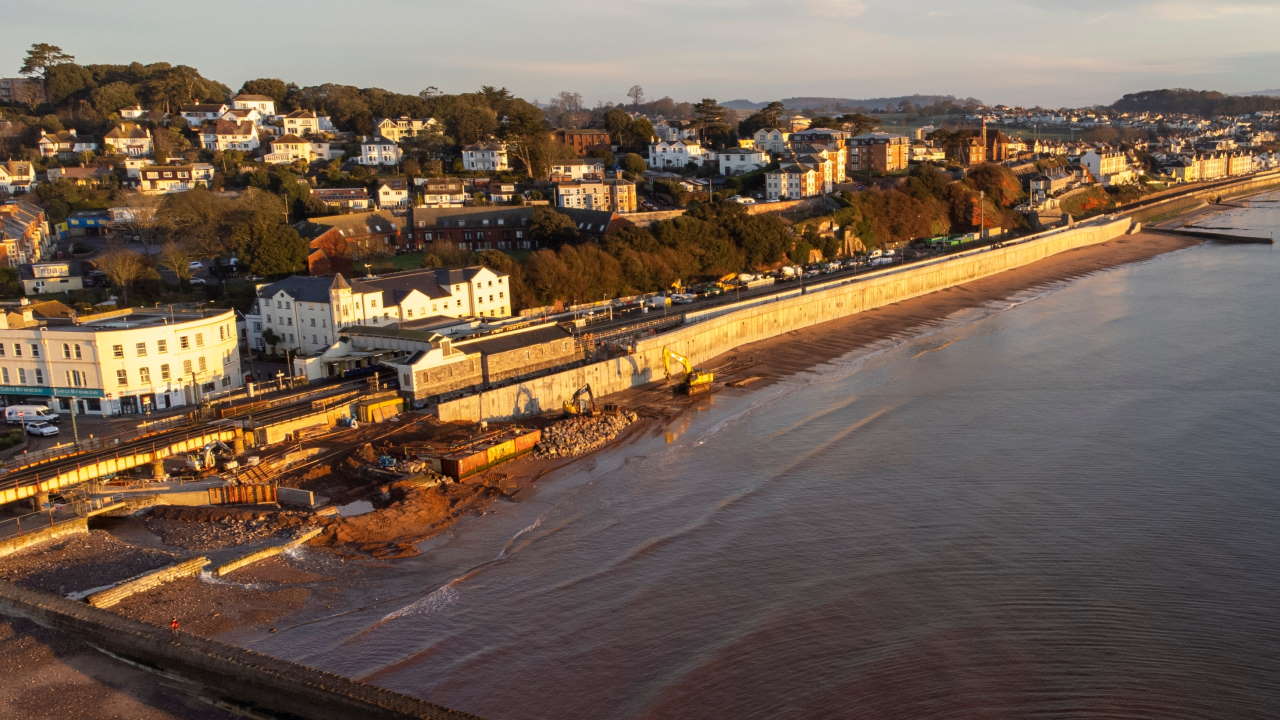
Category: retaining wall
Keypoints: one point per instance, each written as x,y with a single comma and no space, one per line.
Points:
718,330
146,581
56,531
253,557
269,686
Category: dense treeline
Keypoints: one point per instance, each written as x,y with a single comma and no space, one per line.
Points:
1206,103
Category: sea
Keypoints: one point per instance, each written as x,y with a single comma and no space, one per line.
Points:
1063,504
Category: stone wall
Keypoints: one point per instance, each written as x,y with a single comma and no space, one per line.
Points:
718,330
146,581
56,531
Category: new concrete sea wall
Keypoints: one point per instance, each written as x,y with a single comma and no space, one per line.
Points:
718,330
264,685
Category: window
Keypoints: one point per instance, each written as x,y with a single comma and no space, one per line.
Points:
313,322
186,367
144,375
164,371
4,375
35,350
222,332
162,346
184,342
117,351
39,376
199,339
66,351
22,376
1,349
122,377
77,346
141,349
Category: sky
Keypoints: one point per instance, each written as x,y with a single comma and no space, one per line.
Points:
1024,52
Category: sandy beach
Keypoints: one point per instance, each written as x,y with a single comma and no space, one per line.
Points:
403,514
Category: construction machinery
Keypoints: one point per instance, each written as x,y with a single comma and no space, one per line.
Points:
695,380
205,460
582,403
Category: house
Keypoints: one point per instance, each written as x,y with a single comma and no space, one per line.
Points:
161,179
583,140
737,161
345,199
336,241
576,169
24,234
1109,168
442,192
397,129
128,139
611,195
239,115
308,313
380,151
792,181
287,149
197,115
495,228
223,135
393,193
265,106
133,112
16,177
826,137
500,192
50,277
879,152
678,155
63,143
674,131
485,157
84,176
301,122
22,91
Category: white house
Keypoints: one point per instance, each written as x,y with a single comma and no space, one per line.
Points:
195,115
576,169
133,112
741,160
16,176
393,193
301,122
771,140
128,139
265,106
308,312
222,135
677,154
380,151
485,157
1108,168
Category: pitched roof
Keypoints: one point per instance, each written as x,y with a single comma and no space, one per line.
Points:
128,131
298,114
254,98
341,193
306,288
351,225
289,139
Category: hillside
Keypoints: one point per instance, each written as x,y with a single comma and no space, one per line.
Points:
1194,102
835,104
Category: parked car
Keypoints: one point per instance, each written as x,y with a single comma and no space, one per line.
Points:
195,265
199,281
42,429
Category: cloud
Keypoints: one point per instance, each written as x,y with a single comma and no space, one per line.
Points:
1180,10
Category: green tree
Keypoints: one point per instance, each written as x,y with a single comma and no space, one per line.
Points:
42,56
634,164
551,228
274,88
109,98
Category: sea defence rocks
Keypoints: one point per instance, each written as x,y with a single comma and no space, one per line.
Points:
580,435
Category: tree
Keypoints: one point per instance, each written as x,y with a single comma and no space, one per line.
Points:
636,93
123,267
767,118
176,258
274,88
551,228
634,164
41,57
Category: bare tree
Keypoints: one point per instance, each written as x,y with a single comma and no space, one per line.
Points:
123,267
176,257
139,216
636,93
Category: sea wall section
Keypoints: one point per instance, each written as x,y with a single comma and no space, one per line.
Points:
718,330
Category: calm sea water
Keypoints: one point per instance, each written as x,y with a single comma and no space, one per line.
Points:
1065,505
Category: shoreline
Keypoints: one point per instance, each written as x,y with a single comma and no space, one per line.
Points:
270,592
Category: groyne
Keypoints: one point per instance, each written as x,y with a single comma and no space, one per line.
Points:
718,330
258,684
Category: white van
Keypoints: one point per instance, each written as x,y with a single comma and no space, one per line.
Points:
23,414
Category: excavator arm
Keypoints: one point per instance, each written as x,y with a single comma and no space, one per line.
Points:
695,380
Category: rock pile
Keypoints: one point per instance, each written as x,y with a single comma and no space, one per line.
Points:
580,435
215,531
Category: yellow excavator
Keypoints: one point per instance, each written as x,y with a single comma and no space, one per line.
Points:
695,380
582,403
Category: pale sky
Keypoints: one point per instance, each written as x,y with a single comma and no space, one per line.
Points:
1048,52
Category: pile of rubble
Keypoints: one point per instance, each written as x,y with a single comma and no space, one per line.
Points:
580,435
191,529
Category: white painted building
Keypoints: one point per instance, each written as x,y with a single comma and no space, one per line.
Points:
265,106
485,157
307,313
771,140
792,181
126,361
737,161
380,151
675,155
